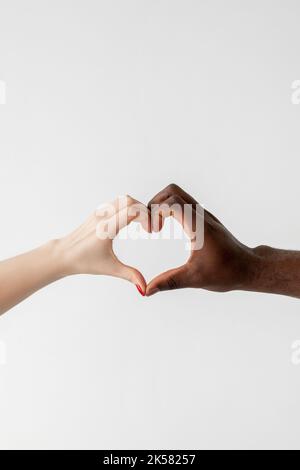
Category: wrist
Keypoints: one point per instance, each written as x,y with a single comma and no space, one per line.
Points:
252,263
256,262
59,255
261,266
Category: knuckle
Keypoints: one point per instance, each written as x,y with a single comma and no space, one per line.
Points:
172,188
129,199
174,200
173,284
152,202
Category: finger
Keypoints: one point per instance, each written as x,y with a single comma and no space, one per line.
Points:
130,274
173,279
183,212
174,189
157,218
140,213
109,227
159,211
136,212
109,209
165,196
172,206
171,190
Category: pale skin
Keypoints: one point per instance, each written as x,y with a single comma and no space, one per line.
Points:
80,252
223,264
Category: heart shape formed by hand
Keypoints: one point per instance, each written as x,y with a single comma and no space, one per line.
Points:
119,214
153,253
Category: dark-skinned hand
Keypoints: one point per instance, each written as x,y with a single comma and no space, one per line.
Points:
224,263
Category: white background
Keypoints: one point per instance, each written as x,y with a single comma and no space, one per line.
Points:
111,97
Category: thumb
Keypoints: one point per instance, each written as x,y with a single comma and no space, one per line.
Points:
172,279
130,274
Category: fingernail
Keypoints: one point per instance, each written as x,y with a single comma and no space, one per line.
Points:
140,290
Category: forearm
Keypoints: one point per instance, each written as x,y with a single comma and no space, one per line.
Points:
274,271
27,273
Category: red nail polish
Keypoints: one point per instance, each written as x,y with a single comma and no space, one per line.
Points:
140,290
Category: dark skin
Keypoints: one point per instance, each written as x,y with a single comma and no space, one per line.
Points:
224,263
